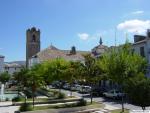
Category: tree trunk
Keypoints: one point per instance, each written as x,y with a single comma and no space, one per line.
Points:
122,100
71,90
143,108
33,98
91,93
71,93
18,90
25,99
122,103
33,93
91,97
59,89
82,92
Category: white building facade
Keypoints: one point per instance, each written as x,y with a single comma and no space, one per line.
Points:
1,63
11,68
141,46
33,61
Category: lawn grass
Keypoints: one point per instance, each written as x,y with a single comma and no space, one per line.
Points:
38,99
120,111
88,106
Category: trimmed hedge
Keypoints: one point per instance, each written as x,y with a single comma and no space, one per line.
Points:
16,99
26,107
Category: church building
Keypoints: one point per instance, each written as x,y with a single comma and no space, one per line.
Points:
34,55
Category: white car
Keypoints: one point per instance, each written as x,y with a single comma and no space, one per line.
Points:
66,86
75,87
113,94
85,89
78,87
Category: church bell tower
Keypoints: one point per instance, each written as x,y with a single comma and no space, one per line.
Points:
32,43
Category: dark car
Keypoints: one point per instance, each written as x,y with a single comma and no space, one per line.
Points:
56,84
98,91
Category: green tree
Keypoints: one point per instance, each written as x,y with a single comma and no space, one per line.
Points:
121,63
4,77
54,70
35,79
21,78
72,72
91,71
18,79
138,89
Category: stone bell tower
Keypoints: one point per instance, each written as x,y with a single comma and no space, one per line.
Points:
32,43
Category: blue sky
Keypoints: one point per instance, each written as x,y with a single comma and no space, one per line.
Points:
65,23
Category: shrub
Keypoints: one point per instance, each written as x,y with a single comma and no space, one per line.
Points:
138,89
26,107
61,96
54,92
7,99
16,99
82,102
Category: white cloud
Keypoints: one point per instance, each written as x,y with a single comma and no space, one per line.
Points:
89,37
83,36
137,12
134,26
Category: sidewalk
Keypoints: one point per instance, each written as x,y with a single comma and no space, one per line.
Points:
7,103
110,107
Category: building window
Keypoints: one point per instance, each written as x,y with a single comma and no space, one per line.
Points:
142,51
33,38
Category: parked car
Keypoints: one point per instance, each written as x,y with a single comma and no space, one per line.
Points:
98,91
75,87
66,86
78,87
72,88
85,89
115,94
56,84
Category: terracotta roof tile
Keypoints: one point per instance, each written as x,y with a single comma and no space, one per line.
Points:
53,52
